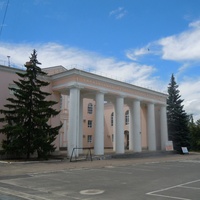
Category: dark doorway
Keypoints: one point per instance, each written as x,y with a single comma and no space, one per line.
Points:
126,139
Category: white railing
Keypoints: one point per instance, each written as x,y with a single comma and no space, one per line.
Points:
3,62
11,64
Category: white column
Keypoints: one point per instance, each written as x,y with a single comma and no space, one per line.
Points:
80,142
130,127
151,127
73,120
99,125
119,125
114,127
65,120
137,144
163,126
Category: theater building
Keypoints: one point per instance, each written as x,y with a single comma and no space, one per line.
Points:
100,112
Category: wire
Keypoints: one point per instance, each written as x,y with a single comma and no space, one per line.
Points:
4,17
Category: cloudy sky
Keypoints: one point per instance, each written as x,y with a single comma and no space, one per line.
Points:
139,41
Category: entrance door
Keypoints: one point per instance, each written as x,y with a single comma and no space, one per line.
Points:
126,139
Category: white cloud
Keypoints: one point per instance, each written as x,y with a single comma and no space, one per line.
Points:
184,46
190,92
134,54
195,24
118,13
52,54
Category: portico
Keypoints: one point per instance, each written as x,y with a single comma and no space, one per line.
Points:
80,85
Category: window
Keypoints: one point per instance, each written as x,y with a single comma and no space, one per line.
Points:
127,117
112,119
89,138
112,137
90,108
89,123
61,102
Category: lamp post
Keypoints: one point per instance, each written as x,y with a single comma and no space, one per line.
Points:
8,61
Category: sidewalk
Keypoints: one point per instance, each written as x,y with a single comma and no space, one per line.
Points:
21,168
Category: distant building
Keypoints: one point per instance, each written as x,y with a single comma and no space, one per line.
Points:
100,112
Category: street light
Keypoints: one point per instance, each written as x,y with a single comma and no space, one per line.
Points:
8,61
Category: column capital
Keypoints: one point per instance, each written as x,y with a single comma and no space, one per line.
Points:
137,99
121,95
151,102
101,92
77,86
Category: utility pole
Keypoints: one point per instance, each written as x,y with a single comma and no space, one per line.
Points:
8,61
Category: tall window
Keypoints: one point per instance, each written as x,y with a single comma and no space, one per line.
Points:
90,108
61,102
89,123
89,138
112,137
112,119
127,117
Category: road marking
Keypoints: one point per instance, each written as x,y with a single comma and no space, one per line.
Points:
141,169
171,197
190,161
21,194
92,192
153,193
194,188
109,167
111,171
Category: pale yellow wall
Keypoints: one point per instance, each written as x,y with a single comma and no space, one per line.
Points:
144,126
64,117
158,133
55,121
6,79
108,129
7,76
88,131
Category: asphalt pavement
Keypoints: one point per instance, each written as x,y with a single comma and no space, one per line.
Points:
147,176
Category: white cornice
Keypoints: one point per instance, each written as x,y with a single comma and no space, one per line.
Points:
96,77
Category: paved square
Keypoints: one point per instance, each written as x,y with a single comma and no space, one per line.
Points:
139,179
156,180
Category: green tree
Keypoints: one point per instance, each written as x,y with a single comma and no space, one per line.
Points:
178,120
26,115
195,135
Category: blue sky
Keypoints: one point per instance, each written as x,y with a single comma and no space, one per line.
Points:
139,41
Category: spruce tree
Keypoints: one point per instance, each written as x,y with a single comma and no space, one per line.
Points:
26,116
195,135
178,120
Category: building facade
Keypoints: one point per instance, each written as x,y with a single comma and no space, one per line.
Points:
100,112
